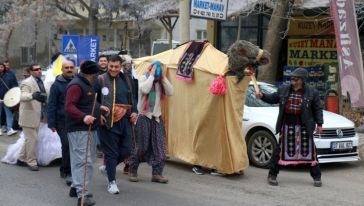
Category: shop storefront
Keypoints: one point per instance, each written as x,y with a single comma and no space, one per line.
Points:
311,45
253,29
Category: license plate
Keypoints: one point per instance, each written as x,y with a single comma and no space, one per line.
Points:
341,145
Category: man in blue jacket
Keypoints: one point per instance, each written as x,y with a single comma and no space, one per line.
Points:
6,82
56,115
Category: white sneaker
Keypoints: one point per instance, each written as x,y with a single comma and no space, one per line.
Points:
102,170
11,132
1,133
112,188
3,128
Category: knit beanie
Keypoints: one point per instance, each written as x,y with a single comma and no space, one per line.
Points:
89,67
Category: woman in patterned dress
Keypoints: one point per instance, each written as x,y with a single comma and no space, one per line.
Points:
150,131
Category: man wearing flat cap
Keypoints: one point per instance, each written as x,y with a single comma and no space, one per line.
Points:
80,117
300,113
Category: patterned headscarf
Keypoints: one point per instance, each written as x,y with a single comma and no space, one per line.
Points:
150,98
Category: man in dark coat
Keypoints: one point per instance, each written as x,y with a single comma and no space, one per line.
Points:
7,81
56,115
300,113
115,134
82,120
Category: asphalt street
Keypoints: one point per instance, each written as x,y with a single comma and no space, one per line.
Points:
343,184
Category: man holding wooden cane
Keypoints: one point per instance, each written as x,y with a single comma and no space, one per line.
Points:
82,118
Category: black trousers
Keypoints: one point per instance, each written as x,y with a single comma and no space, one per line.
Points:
116,145
66,162
315,171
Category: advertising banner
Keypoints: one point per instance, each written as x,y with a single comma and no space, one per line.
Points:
88,48
209,9
311,52
349,52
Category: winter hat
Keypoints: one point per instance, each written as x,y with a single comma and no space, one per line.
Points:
89,67
300,73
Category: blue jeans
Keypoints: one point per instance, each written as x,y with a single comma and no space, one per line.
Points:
9,115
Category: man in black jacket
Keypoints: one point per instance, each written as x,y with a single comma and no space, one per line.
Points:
82,120
115,134
300,113
7,82
56,115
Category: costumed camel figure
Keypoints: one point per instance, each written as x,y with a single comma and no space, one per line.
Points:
203,118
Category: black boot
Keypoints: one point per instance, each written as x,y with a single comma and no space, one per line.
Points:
88,201
272,180
317,182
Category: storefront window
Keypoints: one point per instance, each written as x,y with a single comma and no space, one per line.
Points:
253,29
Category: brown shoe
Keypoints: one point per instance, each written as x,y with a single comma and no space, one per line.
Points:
133,177
159,179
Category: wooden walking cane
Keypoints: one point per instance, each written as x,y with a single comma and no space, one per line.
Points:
86,155
255,83
250,71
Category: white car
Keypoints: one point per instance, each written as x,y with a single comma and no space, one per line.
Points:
337,143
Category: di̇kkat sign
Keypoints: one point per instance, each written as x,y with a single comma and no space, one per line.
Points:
209,9
311,52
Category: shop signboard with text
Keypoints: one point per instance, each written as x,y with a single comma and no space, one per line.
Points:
209,9
313,26
311,51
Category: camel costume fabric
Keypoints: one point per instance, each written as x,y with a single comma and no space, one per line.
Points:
203,129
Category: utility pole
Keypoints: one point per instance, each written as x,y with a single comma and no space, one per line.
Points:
184,16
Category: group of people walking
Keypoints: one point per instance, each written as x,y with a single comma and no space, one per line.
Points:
107,105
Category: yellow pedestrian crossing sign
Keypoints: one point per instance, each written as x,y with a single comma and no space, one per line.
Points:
69,44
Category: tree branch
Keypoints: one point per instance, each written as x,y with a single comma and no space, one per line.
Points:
72,13
83,3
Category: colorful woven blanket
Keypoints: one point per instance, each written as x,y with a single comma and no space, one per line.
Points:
189,58
297,145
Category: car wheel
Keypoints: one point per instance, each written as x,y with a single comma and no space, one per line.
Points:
261,145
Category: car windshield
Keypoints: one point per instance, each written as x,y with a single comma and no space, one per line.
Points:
251,101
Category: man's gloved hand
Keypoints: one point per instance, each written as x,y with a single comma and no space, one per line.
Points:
39,96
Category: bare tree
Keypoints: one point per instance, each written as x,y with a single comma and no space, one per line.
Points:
91,11
28,13
273,39
143,10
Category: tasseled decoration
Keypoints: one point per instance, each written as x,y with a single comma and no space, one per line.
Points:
218,86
